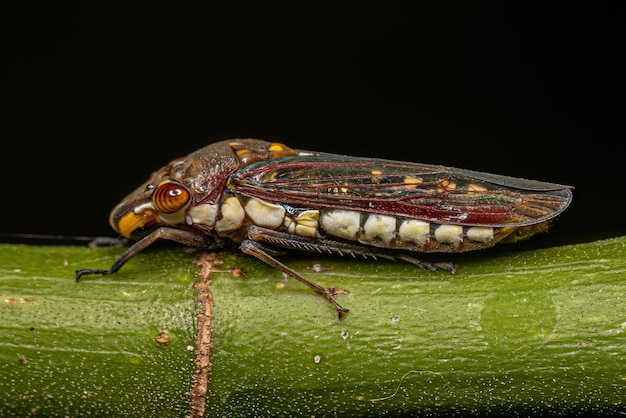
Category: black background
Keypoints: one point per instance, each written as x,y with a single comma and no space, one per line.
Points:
99,96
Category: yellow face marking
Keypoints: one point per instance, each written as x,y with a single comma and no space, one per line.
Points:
132,221
341,223
265,214
232,215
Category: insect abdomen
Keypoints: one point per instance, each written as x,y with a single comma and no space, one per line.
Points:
407,234
382,231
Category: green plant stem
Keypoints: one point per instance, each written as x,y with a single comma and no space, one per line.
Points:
512,332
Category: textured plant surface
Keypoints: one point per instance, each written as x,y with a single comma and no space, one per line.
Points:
518,332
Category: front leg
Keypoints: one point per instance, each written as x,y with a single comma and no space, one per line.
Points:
188,238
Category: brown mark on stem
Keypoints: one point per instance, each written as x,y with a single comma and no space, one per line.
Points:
204,344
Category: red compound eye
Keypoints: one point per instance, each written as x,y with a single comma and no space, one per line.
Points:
169,197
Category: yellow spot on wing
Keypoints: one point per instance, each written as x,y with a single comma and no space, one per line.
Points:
445,186
411,182
476,188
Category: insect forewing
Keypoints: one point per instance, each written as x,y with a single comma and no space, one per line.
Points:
409,190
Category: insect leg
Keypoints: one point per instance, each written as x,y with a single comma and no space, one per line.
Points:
426,265
295,242
257,250
180,236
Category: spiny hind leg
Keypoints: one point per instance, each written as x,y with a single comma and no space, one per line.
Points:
325,246
426,265
259,251
264,244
